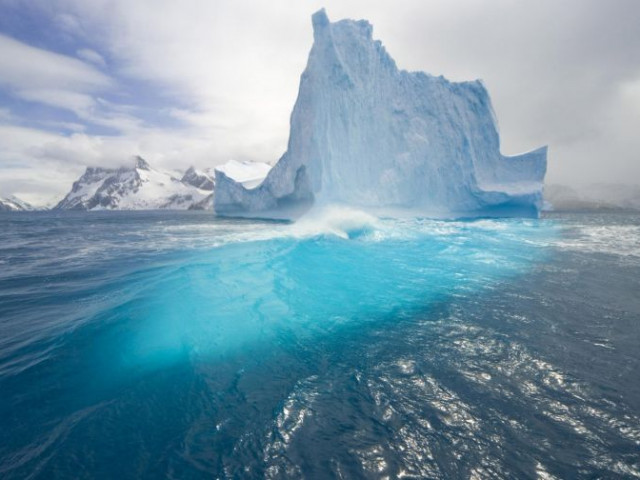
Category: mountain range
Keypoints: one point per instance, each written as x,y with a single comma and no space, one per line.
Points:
14,204
142,187
138,187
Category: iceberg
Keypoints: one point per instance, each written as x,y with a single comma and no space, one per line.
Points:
365,134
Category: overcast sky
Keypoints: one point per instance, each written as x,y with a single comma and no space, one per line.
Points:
93,82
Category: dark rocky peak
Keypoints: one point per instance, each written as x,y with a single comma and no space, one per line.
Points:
141,163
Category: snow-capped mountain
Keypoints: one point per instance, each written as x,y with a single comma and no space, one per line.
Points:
14,204
366,134
139,187
203,180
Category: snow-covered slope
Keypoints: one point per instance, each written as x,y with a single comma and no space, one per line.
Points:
366,134
198,178
137,188
14,204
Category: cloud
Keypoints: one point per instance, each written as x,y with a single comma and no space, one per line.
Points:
5,115
49,162
26,174
235,65
69,24
60,81
565,74
25,67
67,99
554,69
91,56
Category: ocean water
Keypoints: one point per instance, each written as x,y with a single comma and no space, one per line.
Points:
177,345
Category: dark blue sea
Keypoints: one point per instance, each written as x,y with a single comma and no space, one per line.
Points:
178,345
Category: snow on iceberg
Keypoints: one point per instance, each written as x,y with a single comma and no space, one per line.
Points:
368,135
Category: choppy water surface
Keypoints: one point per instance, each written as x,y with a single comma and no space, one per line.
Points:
177,345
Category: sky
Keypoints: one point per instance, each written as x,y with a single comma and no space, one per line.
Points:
196,82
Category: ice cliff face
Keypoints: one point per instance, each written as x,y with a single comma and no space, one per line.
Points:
137,188
366,134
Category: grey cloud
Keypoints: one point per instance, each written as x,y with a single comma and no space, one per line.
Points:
91,56
26,67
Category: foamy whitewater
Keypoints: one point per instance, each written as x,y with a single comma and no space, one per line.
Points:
174,344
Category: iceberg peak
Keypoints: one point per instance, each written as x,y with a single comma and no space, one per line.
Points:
319,20
368,135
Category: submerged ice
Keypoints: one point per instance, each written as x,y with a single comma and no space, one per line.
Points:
368,135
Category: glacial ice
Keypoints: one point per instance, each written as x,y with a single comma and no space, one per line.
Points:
249,174
368,135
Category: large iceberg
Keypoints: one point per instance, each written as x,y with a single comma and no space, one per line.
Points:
367,135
